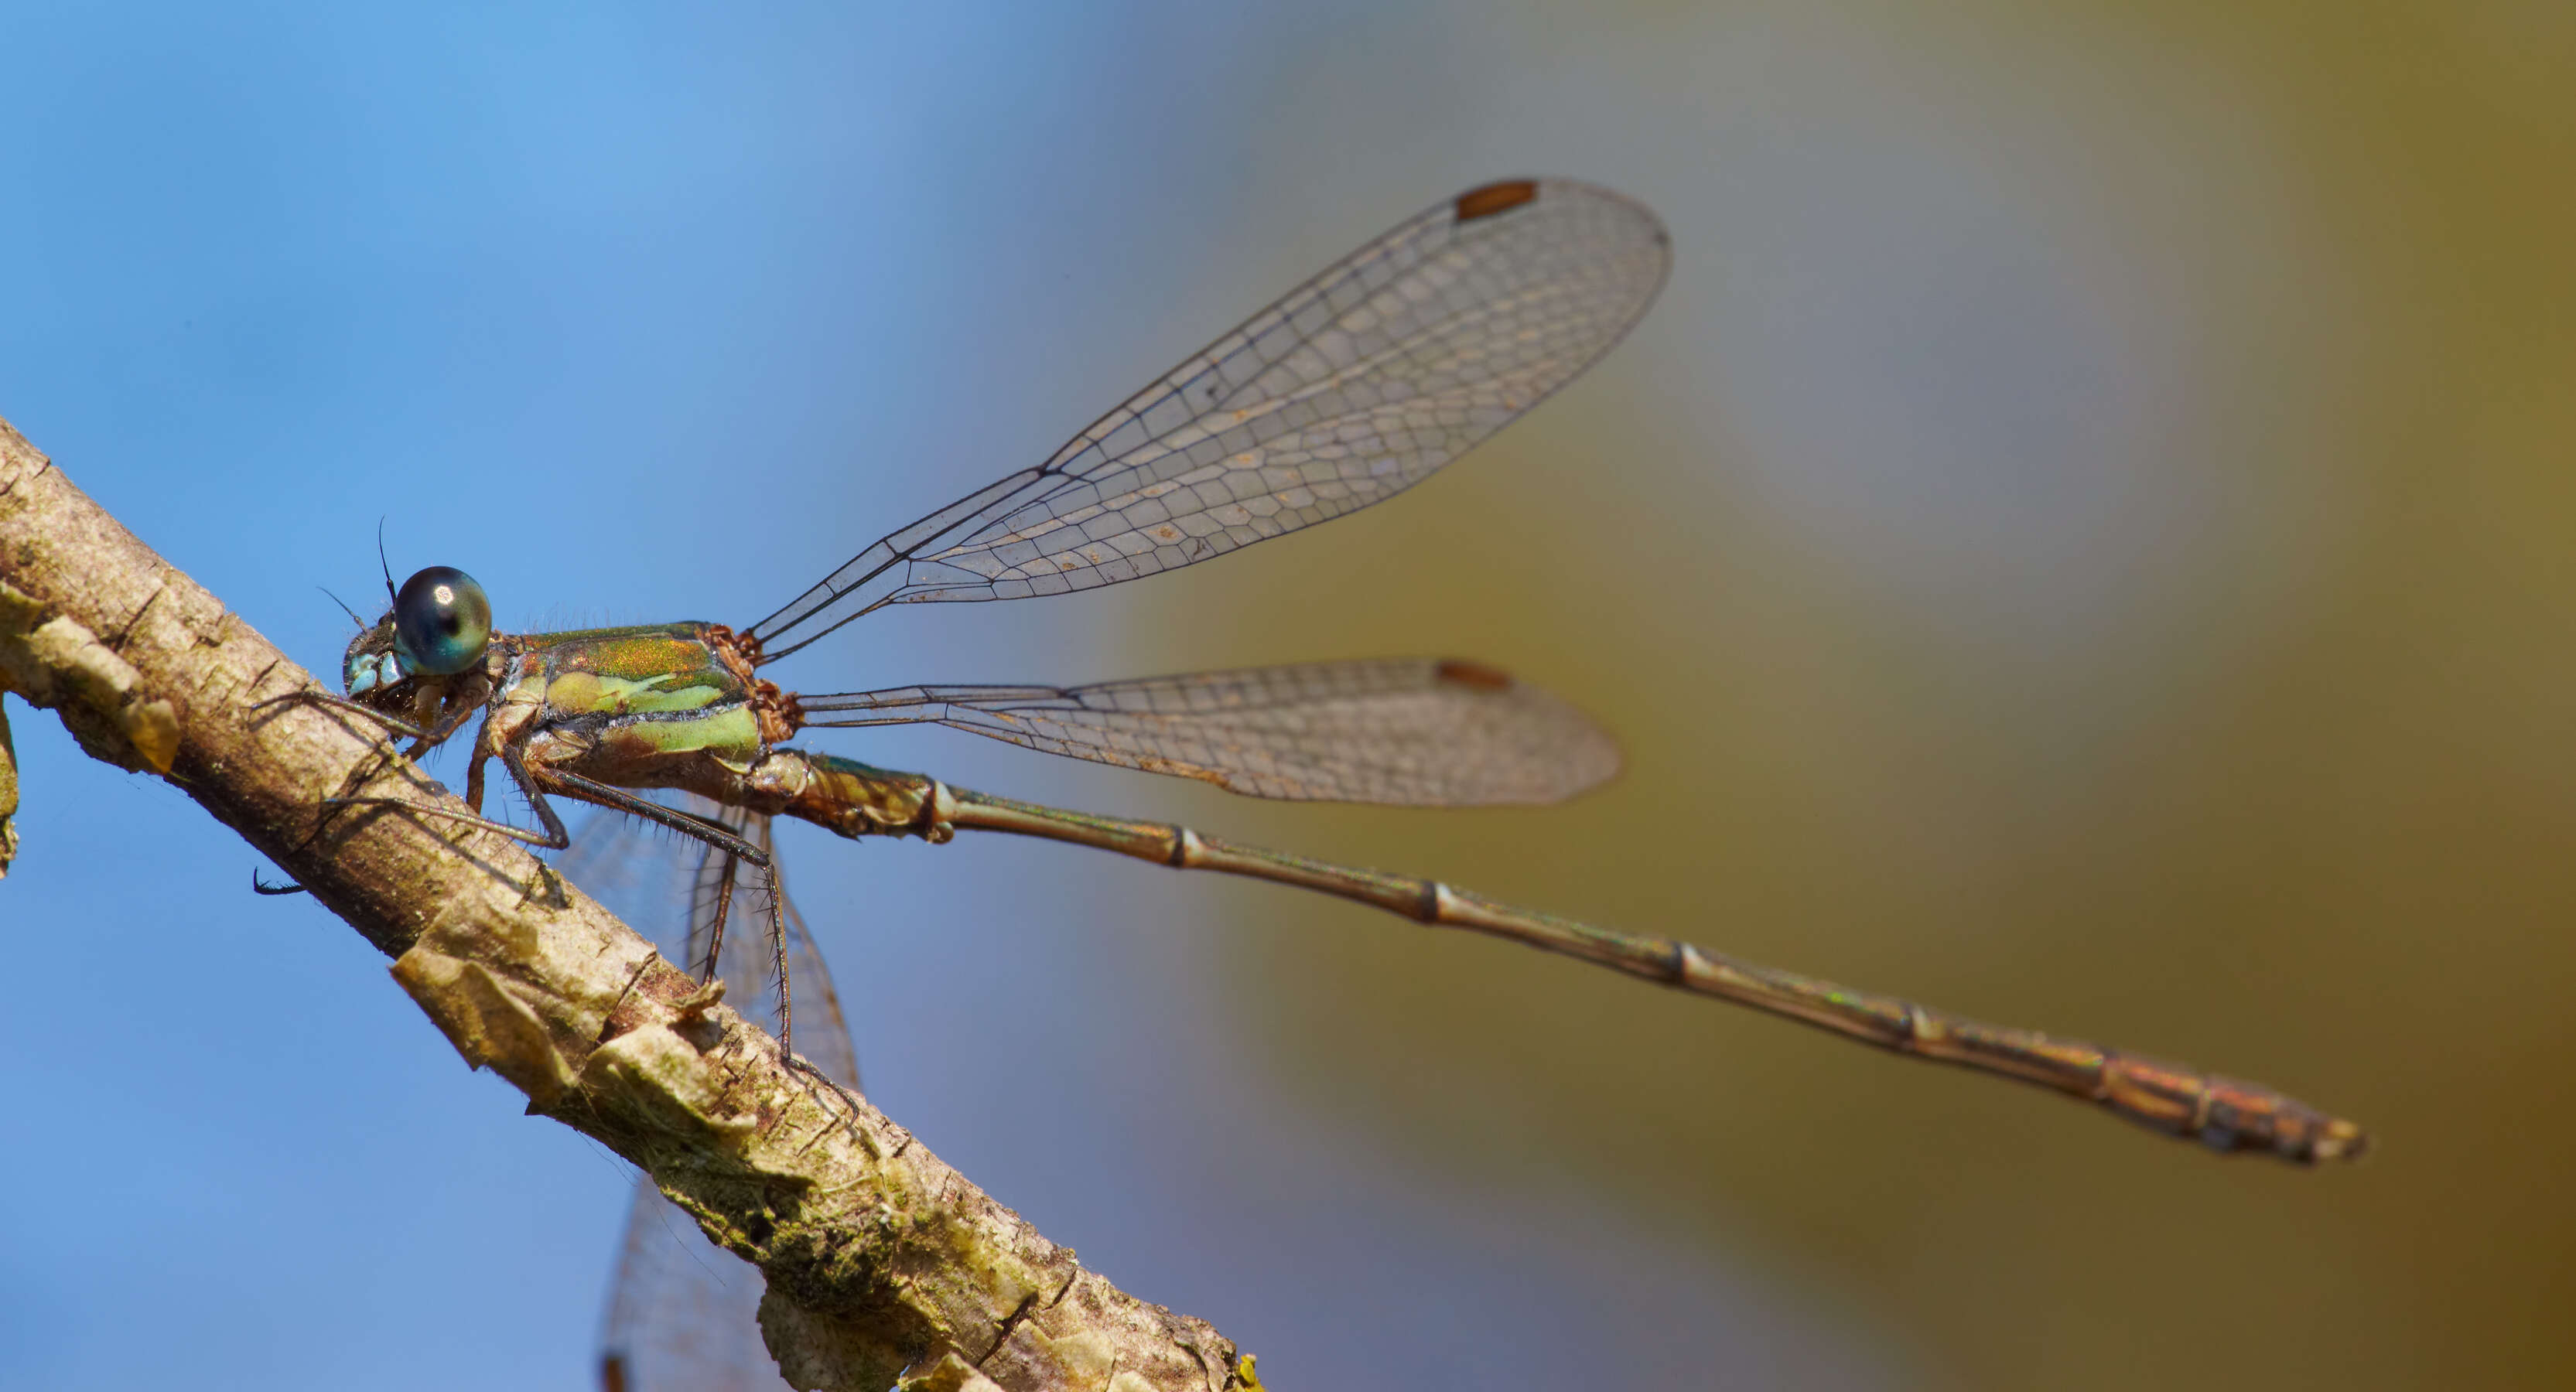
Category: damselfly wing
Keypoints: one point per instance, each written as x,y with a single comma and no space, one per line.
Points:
683,1313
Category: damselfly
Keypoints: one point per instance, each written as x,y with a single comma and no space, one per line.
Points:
1356,385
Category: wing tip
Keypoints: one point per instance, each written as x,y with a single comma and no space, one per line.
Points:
1607,762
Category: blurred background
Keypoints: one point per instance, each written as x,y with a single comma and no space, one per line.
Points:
2082,541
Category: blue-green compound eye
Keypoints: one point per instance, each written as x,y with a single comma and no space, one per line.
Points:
441,621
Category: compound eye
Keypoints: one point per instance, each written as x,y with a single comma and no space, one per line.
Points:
441,621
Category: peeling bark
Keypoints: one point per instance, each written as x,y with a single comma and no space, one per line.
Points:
880,1259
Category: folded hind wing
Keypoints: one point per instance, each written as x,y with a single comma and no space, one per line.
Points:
1422,732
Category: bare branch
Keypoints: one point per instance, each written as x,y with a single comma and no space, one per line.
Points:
879,1257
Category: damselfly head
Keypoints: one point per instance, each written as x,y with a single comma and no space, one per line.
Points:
439,625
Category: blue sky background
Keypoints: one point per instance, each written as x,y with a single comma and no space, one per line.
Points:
2077,539
636,315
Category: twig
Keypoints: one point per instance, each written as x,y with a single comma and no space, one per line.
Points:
879,1257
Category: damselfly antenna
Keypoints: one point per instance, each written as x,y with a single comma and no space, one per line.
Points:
344,606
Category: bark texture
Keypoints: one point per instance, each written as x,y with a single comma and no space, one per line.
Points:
881,1260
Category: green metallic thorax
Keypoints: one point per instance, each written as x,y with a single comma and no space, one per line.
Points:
619,703
656,668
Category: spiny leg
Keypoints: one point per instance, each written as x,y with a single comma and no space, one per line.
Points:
555,837
718,905
778,959
717,915
423,740
535,783
579,788
424,737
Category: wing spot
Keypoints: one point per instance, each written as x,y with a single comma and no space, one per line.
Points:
1495,198
1459,672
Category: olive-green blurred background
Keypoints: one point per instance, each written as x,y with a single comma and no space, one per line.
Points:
2082,541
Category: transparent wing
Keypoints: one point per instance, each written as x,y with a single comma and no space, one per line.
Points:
1409,731
684,1313
1352,388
